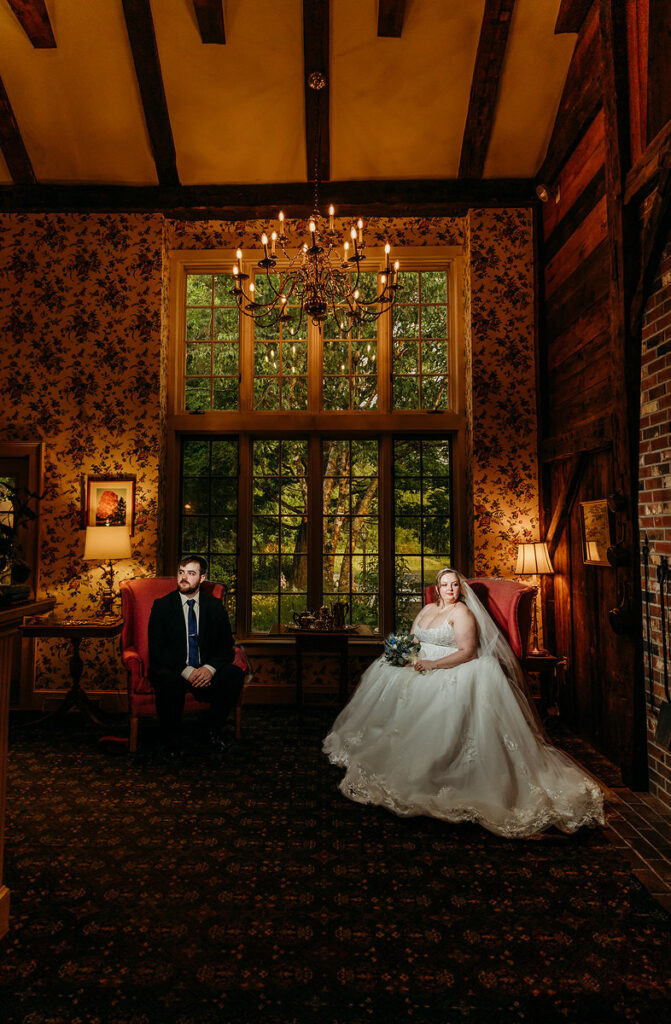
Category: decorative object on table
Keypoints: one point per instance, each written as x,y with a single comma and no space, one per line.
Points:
107,543
324,619
400,648
18,509
110,501
321,278
597,531
533,560
663,730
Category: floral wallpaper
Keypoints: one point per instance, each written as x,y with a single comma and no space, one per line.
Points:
83,368
80,370
504,431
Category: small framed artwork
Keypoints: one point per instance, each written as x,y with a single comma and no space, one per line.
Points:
110,501
596,531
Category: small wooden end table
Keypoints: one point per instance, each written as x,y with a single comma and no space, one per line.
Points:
317,641
74,630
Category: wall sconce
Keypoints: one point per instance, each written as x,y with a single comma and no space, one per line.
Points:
105,544
532,560
548,193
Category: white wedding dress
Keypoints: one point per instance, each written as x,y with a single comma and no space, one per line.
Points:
459,744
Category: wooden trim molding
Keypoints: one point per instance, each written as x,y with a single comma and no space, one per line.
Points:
442,197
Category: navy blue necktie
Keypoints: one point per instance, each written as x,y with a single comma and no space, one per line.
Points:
194,658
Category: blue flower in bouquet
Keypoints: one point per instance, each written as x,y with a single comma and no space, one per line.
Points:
399,648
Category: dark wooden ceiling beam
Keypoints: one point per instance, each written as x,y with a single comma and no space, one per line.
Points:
210,17
571,15
485,86
11,144
34,19
142,38
390,15
440,198
316,27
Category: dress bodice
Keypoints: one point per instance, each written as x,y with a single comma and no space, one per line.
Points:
441,636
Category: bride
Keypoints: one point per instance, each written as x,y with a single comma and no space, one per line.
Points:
453,735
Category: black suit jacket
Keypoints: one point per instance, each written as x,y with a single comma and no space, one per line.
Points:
167,635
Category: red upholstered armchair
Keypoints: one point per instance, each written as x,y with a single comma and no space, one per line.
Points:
510,605
138,595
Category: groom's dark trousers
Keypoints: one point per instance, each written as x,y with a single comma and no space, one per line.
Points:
168,656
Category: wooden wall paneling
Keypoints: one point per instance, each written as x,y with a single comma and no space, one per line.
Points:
588,234
584,288
580,168
637,16
574,216
591,435
579,103
584,329
562,585
659,67
585,367
626,370
577,408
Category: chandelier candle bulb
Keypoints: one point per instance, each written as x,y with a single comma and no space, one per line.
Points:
320,282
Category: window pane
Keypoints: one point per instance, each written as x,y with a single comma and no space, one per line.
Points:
422,521
280,358
211,316
350,524
279,531
209,508
421,312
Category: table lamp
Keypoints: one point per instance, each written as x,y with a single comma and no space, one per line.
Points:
532,560
105,544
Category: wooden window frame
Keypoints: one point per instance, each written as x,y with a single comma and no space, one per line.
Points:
315,423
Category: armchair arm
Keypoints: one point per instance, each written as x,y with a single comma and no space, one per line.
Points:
134,665
241,659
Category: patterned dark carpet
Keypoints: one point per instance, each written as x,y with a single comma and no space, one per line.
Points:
250,890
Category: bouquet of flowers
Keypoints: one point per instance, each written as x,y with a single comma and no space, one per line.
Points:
400,647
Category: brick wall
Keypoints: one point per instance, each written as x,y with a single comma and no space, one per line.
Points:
655,500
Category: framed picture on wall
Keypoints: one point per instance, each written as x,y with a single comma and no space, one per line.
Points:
110,501
596,531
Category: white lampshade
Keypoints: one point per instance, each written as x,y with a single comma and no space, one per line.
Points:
103,542
533,559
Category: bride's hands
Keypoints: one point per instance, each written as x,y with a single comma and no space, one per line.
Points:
423,665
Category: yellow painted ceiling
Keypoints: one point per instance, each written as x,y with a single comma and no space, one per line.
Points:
397,106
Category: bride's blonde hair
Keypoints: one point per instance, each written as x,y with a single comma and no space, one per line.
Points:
439,576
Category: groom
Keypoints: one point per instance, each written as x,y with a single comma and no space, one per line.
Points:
191,648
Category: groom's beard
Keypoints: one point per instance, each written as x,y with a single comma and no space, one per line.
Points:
188,589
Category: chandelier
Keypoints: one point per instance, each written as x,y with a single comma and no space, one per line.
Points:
322,278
